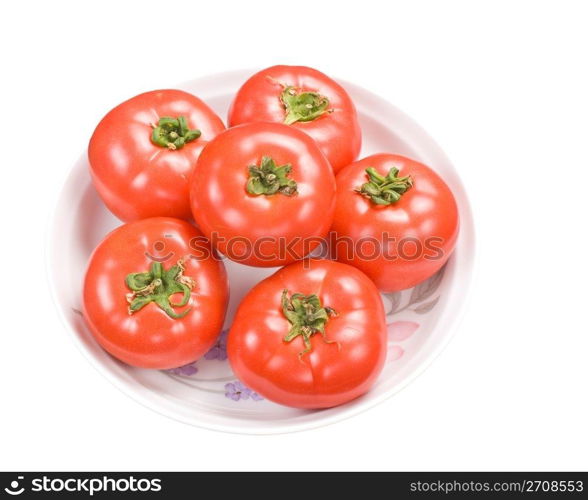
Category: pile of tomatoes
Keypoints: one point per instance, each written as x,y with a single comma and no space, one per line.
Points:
281,183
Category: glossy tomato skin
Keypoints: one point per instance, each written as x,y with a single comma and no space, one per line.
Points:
421,228
149,338
137,179
265,230
337,133
331,373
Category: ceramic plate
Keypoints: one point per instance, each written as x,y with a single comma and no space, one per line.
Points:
206,393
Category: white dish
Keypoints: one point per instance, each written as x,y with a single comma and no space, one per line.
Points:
203,398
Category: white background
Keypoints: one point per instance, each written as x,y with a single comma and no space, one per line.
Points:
502,86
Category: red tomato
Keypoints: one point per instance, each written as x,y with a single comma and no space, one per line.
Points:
143,151
397,226
312,335
154,295
263,193
306,99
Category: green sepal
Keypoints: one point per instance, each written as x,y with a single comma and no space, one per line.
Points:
157,285
173,133
303,106
385,190
269,178
307,317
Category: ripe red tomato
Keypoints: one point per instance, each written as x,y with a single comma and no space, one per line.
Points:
397,222
307,100
143,151
154,295
312,335
263,193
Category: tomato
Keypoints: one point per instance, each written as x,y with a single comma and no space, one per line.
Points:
306,99
263,193
143,151
154,294
312,335
396,220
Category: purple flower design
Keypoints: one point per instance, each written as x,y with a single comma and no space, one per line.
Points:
236,391
219,350
186,370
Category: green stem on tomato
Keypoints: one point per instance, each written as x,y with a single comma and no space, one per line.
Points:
303,106
269,178
173,133
158,285
385,190
307,317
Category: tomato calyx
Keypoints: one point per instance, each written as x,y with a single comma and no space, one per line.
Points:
158,285
385,190
307,317
269,178
303,106
173,133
